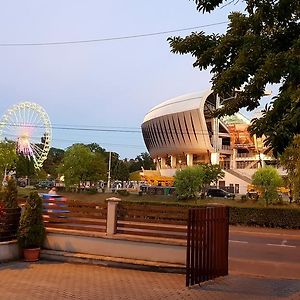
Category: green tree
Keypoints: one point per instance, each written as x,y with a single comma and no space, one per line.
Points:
94,147
9,194
53,161
189,182
121,170
212,173
143,160
267,180
290,160
24,167
261,46
8,157
81,164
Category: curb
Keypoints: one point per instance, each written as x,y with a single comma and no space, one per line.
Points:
114,262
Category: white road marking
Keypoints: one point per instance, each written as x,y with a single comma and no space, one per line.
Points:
242,242
281,245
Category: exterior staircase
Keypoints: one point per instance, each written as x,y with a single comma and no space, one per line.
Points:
238,175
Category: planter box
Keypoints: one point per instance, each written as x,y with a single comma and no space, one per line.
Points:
9,251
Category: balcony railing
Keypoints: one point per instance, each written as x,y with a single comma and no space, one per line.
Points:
226,147
245,155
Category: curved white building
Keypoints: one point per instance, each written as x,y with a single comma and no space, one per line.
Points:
184,130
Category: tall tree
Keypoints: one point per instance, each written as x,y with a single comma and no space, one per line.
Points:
143,160
290,160
8,157
25,167
121,171
54,159
81,164
261,46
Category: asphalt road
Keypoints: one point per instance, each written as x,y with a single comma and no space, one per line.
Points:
276,253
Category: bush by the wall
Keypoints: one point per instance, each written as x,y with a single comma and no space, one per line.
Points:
265,217
8,195
123,192
92,191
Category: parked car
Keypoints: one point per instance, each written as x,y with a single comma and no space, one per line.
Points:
219,193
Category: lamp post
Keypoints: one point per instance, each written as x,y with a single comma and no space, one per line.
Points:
109,167
179,164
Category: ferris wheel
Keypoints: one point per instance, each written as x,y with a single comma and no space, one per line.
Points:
28,124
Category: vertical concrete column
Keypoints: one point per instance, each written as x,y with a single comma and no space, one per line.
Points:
189,160
234,156
163,162
111,221
215,158
173,162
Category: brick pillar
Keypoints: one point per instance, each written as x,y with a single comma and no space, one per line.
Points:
111,222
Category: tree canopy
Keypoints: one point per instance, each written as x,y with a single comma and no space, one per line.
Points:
54,159
8,157
261,46
191,180
143,160
290,160
267,180
81,164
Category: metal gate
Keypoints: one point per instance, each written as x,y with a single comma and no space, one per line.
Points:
207,244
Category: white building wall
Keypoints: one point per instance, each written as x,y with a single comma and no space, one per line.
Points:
231,179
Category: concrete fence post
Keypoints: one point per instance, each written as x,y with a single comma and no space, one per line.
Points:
111,221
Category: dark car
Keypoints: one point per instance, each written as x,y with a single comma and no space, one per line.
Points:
219,193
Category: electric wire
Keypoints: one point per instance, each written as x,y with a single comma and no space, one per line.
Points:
98,40
111,129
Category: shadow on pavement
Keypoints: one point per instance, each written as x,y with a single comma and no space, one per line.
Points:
22,265
253,286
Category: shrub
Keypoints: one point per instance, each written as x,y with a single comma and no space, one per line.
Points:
244,198
123,192
31,231
265,217
9,195
267,180
188,182
92,191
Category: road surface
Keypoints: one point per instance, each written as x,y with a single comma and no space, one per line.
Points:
265,251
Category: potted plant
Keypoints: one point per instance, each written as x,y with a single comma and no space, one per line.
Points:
31,233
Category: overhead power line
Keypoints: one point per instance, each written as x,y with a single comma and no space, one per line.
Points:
98,40
112,129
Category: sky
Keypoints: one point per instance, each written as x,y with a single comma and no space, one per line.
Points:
104,85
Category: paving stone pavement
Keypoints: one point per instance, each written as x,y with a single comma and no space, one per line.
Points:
55,280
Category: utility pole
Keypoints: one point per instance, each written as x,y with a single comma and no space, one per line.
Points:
109,167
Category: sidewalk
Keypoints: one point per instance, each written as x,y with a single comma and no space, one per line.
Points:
53,280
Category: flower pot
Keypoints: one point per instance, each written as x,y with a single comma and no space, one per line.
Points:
32,254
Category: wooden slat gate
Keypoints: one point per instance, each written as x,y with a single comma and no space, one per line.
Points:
207,244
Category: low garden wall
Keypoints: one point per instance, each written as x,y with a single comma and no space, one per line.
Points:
9,251
152,234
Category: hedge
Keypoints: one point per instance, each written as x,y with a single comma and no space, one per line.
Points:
265,217
249,216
